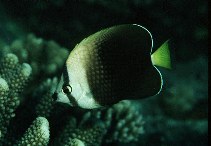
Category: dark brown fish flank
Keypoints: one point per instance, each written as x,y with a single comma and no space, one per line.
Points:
99,79
118,66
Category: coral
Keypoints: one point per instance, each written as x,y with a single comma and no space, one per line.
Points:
90,134
37,134
45,90
13,78
75,142
119,123
32,49
124,122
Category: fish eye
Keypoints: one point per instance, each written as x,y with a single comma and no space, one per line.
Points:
67,89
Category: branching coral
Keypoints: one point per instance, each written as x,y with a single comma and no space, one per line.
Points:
13,78
124,122
89,133
37,134
119,123
45,90
35,51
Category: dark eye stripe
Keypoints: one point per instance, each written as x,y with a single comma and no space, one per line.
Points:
66,82
72,100
65,74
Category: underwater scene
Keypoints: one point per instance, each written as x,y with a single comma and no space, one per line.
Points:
103,73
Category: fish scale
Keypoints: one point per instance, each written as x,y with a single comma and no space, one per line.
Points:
100,81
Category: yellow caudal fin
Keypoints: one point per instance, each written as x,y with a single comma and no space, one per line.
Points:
161,57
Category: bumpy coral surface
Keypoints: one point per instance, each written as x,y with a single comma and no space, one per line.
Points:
130,123
119,123
35,51
13,78
37,134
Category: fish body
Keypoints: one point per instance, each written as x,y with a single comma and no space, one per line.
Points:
112,65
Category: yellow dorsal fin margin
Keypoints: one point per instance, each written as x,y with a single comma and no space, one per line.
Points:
161,57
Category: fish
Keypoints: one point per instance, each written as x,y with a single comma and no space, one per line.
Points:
111,65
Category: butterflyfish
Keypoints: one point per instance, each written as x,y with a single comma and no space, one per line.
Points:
111,65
